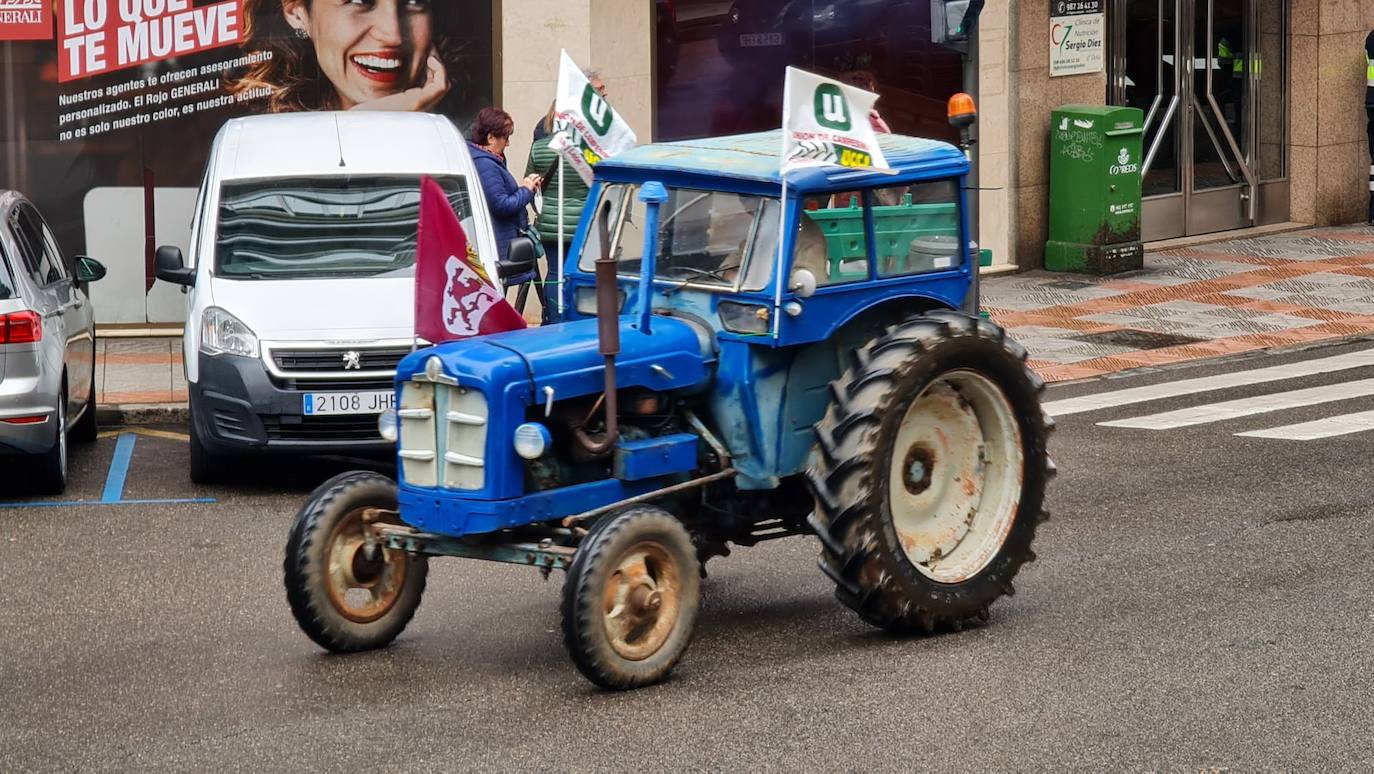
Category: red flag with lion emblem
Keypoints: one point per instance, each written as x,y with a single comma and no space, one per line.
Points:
454,297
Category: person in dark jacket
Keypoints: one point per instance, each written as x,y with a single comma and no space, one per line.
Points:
506,198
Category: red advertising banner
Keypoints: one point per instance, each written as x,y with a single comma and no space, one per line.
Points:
25,20
108,108
98,36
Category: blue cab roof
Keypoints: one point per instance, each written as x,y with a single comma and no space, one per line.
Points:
755,158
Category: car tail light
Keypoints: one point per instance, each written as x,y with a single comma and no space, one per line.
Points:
20,328
32,419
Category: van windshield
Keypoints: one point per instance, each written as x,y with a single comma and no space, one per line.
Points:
342,226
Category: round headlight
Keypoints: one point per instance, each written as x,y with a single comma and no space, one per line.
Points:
532,440
388,425
434,368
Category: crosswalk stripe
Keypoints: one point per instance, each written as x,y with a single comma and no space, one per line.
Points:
1321,428
1151,392
1244,407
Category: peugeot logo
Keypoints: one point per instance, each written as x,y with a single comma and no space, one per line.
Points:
352,360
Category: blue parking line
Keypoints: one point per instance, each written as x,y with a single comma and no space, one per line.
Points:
114,484
119,468
69,503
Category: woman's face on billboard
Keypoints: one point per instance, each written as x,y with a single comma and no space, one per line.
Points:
367,48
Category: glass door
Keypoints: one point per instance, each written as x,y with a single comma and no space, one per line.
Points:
1209,75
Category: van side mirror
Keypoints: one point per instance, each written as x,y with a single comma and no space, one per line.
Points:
522,258
88,269
169,266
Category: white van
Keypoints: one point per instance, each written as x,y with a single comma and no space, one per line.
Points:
300,280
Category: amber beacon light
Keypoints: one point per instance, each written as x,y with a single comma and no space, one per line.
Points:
962,112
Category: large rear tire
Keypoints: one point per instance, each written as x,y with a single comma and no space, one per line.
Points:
346,596
929,473
631,597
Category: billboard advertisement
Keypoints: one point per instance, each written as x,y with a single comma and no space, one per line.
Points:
108,107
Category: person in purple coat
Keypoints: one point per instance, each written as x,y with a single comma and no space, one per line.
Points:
506,199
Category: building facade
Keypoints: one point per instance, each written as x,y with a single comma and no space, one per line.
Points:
1253,108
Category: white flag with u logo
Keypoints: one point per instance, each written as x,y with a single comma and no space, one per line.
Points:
586,129
826,123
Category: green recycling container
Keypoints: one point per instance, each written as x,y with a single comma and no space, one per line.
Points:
1095,165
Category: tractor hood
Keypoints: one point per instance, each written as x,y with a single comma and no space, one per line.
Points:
566,358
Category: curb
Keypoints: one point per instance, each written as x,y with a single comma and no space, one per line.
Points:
144,414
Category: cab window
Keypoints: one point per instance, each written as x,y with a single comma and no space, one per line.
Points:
704,237
916,228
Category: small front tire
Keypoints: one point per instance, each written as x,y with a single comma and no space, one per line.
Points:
345,595
631,597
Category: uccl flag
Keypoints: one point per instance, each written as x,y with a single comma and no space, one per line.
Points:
454,297
825,122
590,130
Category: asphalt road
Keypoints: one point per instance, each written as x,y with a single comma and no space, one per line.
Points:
1202,602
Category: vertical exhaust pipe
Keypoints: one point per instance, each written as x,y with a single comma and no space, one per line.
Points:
653,195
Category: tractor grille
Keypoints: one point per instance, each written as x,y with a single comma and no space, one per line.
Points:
443,435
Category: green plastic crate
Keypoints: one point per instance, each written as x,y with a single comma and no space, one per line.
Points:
894,226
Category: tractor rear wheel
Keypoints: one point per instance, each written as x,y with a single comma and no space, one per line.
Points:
630,600
347,595
929,473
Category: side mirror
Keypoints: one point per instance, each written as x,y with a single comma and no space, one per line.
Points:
521,259
170,267
88,269
803,283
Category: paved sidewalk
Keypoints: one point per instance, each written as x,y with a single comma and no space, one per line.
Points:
139,372
1192,303
1218,299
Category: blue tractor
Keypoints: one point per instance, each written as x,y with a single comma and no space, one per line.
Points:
742,358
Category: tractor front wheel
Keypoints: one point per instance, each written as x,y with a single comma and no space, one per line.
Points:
347,593
630,599
929,473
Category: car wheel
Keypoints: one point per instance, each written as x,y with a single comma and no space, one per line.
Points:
206,467
51,475
85,430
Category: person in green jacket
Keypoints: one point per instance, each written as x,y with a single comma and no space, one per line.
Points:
574,194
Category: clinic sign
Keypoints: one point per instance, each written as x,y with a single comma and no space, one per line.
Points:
1078,39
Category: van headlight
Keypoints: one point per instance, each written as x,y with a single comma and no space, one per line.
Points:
222,333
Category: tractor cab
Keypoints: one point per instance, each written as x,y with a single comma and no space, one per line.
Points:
762,270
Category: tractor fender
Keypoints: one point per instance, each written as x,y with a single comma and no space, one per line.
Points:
889,311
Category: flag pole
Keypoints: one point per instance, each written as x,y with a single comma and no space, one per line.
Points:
558,286
782,257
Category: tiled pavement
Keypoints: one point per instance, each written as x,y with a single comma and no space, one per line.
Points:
139,371
1218,299
1191,303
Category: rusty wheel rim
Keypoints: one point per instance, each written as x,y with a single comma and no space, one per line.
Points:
955,477
641,601
363,585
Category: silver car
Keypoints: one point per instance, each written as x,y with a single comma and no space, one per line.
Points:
47,349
